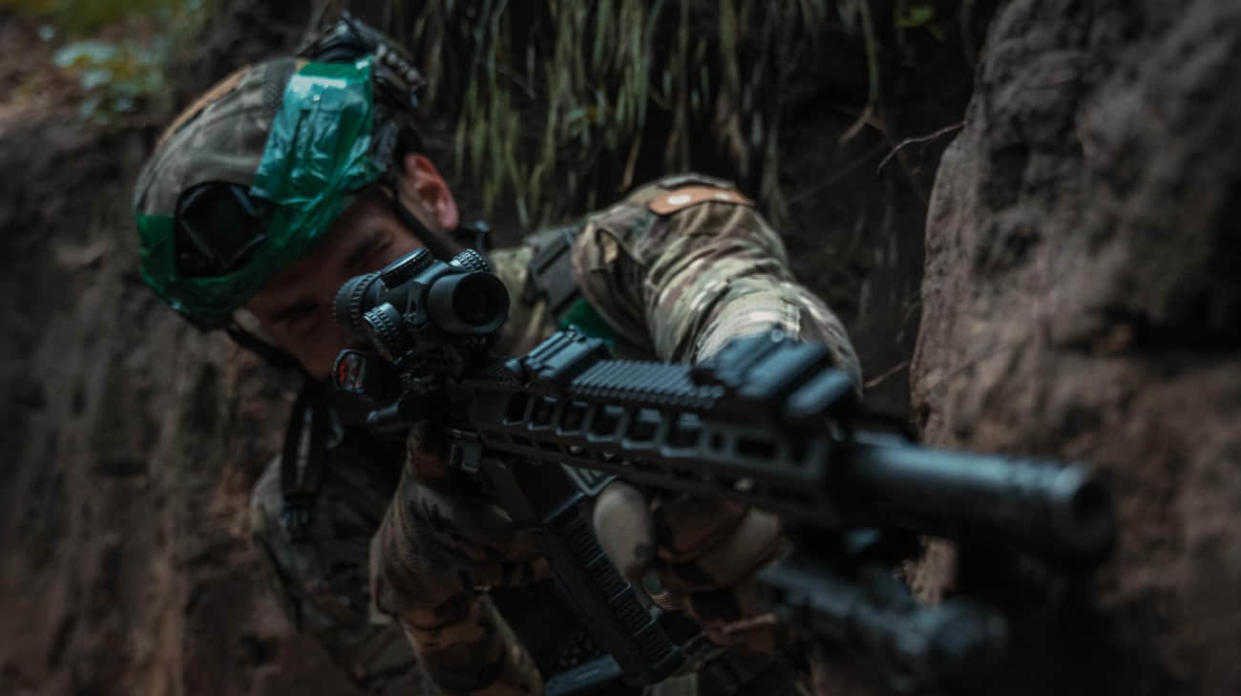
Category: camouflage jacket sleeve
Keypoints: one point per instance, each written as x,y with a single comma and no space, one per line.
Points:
427,575
685,264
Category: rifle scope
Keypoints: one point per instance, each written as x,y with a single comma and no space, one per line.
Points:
418,296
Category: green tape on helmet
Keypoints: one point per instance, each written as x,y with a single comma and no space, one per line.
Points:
316,155
318,146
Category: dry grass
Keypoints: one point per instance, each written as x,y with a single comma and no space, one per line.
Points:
558,102
547,95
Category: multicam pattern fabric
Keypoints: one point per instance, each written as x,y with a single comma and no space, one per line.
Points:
683,284
221,137
438,551
676,286
323,582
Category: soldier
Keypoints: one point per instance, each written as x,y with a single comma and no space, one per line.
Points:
292,175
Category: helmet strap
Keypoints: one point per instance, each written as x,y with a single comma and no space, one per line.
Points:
301,461
270,354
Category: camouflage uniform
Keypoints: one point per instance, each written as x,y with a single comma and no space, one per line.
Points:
323,581
674,271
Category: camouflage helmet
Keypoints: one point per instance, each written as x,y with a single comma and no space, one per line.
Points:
248,178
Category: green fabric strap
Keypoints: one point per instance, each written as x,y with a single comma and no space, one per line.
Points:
582,316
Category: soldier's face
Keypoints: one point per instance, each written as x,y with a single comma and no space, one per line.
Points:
295,308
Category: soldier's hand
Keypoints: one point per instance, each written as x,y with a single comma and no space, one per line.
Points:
693,554
435,550
438,541
438,545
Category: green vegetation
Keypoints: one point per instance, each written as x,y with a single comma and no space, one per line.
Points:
114,77
117,50
84,17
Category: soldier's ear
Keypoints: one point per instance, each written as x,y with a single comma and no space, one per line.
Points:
426,194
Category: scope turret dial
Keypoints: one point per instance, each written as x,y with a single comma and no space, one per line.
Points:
383,324
404,268
471,260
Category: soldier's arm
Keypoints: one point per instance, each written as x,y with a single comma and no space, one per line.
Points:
428,576
682,267
685,264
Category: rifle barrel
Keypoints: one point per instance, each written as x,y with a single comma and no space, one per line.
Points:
1060,509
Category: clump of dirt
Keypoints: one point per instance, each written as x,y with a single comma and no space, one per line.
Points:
1082,300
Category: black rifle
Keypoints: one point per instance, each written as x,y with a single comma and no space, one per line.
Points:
767,421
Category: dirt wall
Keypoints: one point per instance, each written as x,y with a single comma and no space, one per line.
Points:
1082,299
130,440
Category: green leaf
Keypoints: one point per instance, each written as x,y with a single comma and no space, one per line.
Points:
95,77
84,53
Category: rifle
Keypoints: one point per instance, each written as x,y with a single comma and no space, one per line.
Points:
767,421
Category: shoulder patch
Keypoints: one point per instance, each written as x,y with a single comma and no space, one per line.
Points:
677,181
667,203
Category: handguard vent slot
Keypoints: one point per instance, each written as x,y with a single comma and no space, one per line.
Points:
644,425
515,412
607,421
544,409
574,416
685,432
758,449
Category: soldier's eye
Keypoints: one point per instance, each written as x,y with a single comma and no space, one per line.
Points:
296,313
364,254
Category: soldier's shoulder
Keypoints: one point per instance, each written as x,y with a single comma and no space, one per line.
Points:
674,182
644,221
675,193
668,196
